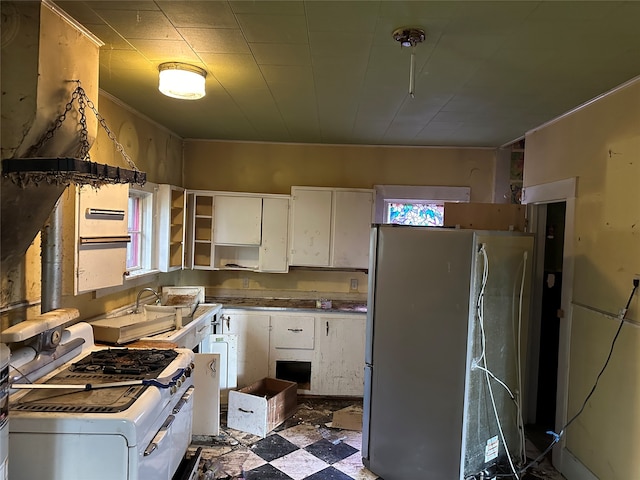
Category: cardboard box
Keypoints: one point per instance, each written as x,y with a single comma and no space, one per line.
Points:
262,406
349,418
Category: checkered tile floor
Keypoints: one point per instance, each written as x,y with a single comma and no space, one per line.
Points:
301,452
303,448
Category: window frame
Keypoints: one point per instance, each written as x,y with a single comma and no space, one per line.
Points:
386,194
147,195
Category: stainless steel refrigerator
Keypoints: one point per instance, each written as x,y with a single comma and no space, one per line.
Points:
446,328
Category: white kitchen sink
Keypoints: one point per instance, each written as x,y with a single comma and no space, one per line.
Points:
129,325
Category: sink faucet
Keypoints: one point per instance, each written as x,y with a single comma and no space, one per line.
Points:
147,289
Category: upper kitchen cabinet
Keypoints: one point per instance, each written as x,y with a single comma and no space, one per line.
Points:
199,254
238,231
99,243
275,233
330,227
237,220
171,227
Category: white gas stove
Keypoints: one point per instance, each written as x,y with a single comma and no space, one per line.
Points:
80,411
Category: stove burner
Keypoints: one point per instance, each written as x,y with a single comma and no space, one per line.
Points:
124,361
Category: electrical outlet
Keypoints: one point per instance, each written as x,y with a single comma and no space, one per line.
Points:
354,284
245,282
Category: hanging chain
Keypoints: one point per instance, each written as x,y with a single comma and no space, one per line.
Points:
83,101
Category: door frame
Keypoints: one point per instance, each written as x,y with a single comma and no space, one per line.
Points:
536,197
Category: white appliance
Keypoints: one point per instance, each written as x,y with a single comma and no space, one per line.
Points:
79,411
444,314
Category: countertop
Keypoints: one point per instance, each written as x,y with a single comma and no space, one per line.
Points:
263,303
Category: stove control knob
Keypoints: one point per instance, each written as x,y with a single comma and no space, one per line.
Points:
173,389
179,383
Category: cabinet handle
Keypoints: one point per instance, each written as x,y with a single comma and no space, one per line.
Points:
327,328
227,318
295,330
245,411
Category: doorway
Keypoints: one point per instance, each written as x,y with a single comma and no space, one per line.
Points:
550,318
551,213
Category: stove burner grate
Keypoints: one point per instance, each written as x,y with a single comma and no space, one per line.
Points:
124,361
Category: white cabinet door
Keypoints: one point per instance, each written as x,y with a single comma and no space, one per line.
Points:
352,217
338,367
171,227
310,226
275,221
101,230
206,397
237,220
252,330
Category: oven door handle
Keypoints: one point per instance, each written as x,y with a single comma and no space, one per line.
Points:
183,401
160,436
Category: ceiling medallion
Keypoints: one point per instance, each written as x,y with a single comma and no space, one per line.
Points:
410,37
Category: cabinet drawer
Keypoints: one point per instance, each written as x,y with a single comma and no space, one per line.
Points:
293,332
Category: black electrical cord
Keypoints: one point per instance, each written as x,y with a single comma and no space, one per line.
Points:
593,389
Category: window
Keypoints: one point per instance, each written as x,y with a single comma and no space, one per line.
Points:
424,214
416,205
141,225
134,248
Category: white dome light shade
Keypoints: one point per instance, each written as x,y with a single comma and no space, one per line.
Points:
180,80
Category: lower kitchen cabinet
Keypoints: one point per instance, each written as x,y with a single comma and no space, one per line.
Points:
338,362
252,330
323,353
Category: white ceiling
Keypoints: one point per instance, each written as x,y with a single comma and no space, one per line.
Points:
331,72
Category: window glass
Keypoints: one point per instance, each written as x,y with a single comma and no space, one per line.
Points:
135,222
424,214
141,250
416,205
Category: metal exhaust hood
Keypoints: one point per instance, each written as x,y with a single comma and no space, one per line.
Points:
32,186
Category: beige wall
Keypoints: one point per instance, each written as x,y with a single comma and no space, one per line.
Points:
600,145
275,167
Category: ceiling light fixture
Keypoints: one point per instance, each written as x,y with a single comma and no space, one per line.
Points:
181,80
410,37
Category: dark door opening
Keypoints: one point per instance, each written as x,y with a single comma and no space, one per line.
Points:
550,318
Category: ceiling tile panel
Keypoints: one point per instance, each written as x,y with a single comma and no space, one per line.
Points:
140,24
124,60
296,77
336,16
215,40
281,53
112,40
82,12
287,7
336,44
195,14
273,28
159,51
123,5
234,72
